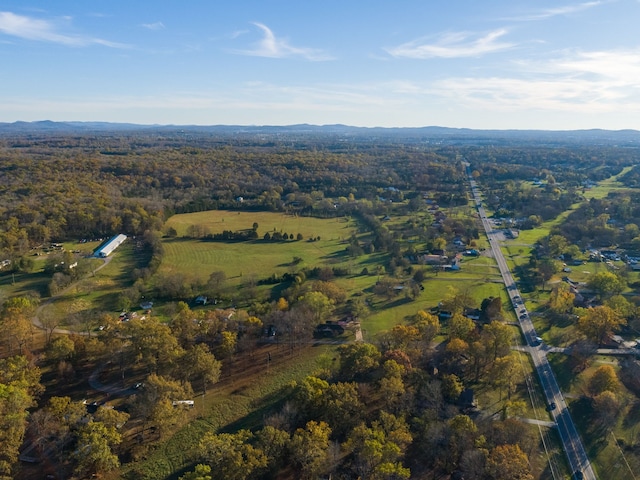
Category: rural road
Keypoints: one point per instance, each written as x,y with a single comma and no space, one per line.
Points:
572,443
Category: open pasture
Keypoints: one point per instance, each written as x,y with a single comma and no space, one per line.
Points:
217,221
199,258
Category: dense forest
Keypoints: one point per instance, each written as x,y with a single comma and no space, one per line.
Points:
398,406
85,186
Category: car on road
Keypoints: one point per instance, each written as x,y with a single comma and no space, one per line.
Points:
552,406
523,311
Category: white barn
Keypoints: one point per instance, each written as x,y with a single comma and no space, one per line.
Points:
108,248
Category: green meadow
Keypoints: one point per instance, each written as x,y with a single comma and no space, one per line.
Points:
239,260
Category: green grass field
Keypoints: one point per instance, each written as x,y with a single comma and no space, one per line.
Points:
607,186
218,220
239,260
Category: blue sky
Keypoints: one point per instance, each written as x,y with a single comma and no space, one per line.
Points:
493,64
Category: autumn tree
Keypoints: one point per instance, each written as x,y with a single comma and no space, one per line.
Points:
273,442
184,324
547,268
154,404
623,307
428,325
200,365
14,402
452,387
456,351
309,448
94,454
606,409
462,433
231,455
15,323
508,462
201,472
378,449
228,343
57,424
461,327
282,304
400,337
561,299
606,284
498,338
392,386
331,290
604,379
338,404
506,372
318,303
62,348
456,301
599,323
153,344
358,359
19,387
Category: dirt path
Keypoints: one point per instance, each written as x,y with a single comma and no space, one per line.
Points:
111,390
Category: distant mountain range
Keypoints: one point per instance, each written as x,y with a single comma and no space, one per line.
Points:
430,134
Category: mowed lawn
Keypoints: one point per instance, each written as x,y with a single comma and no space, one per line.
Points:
218,220
260,259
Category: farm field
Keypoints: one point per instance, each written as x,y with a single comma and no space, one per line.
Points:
252,260
198,258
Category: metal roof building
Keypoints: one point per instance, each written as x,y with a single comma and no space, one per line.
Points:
108,248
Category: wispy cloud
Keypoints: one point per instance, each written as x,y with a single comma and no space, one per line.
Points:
273,47
35,29
153,26
558,11
453,45
597,81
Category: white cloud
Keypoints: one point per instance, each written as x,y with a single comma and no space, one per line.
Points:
622,66
46,31
453,45
153,26
582,82
557,11
272,47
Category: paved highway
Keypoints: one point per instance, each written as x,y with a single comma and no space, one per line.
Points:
572,444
